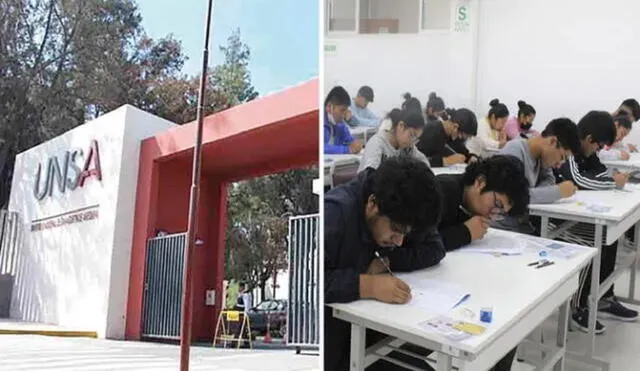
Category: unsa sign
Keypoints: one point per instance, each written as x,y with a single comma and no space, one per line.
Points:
66,173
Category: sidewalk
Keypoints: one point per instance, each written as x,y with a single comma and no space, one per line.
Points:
14,327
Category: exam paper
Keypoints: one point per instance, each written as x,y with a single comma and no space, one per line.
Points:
496,243
435,297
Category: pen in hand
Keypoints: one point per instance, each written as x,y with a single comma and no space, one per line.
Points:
383,263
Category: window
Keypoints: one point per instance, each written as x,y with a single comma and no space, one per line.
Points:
389,16
436,14
341,15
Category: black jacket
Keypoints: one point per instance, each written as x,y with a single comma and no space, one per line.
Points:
348,251
452,229
436,144
586,172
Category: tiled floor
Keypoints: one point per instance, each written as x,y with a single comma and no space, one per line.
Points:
620,344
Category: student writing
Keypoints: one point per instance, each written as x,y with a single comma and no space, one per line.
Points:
392,211
359,113
491,136
596,130
521,125
406,129
437,135
539,156
617,151
337,137
488,189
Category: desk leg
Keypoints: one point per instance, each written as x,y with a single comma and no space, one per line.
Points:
595,287
634,266
358,346
561,342
544,226
444,362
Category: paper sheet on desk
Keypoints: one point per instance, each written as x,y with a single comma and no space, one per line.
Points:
494,243
589,202
436,297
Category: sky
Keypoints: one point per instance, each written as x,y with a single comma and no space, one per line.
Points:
282,35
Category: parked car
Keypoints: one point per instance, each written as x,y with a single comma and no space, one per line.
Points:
271,312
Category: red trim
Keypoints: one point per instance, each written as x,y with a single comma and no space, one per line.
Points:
268,135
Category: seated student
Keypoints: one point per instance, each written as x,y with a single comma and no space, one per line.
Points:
630,108
397,205
617,151
491,136
410,104
435,108
596,130
488,189
406,129
337,137
359,114
540,155
434,142
520,126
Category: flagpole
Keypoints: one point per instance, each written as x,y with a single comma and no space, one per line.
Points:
187,275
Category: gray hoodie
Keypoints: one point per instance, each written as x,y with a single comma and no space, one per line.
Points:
544,189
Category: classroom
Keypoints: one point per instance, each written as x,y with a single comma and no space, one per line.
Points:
482,196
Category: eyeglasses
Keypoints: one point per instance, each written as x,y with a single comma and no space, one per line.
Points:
414,137
498,212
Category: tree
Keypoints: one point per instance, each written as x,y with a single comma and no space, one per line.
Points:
64,62
258,211
229,84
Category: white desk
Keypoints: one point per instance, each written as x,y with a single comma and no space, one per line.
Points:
632,164
522,297
363,133
624,214
453,169
337,162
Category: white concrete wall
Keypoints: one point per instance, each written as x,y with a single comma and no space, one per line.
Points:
564,57
76,275
418,63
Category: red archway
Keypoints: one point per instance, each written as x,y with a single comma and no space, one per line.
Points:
268,135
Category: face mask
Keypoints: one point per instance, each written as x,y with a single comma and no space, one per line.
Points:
330,117
526,126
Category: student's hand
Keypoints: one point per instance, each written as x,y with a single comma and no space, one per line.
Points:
472,159
477,227
632,148
454,159
567,189
624,155
389,289
502,139
621,179
376,266
355,147
348,115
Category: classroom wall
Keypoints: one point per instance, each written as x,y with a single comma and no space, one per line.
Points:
564,57
394,64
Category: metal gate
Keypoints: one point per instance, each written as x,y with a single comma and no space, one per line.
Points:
10,241
303,319
163,287
11,233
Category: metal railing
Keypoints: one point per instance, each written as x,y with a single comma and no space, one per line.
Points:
163,287
303,315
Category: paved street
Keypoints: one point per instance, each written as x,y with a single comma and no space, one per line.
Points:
41,353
